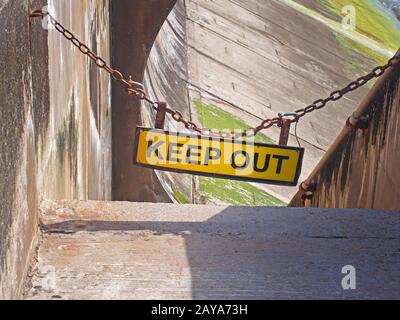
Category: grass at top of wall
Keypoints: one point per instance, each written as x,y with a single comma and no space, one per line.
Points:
212,117
361,49
357,68
373,20
236,193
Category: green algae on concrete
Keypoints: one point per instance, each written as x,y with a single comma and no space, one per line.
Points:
212,117
180,197
230,191
236,193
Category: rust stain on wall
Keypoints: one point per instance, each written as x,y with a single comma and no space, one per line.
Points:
363,172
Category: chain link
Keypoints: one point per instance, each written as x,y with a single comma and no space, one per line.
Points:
137,89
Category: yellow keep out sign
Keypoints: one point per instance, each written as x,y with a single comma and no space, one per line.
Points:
217,157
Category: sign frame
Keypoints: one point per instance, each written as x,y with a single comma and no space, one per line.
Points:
293,183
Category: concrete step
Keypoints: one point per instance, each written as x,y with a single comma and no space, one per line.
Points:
114,250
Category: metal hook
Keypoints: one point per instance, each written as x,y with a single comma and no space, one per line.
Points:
135,84
37,14
288,114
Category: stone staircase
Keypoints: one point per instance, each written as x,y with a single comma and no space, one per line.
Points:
115,250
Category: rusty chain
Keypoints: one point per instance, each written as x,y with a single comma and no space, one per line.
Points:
137,89
133,87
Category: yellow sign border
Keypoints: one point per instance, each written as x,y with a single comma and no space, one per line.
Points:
216,175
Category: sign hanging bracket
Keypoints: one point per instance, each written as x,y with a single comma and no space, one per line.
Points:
160,115
285,124
285,131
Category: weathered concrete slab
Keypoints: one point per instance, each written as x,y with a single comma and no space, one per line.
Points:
95,250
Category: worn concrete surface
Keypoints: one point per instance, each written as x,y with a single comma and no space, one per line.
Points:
100,250
20,122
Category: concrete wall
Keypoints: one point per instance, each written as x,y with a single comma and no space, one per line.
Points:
78,161
362,169
55,135
135,25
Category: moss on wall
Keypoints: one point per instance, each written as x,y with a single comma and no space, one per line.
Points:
212,117
180,197
236,193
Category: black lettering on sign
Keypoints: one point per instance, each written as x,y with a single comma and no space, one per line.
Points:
266,163
234,157
212,154
153,147
193,151
174,149
225,158
280,161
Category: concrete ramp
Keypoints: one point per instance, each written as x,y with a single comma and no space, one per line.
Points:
104,250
